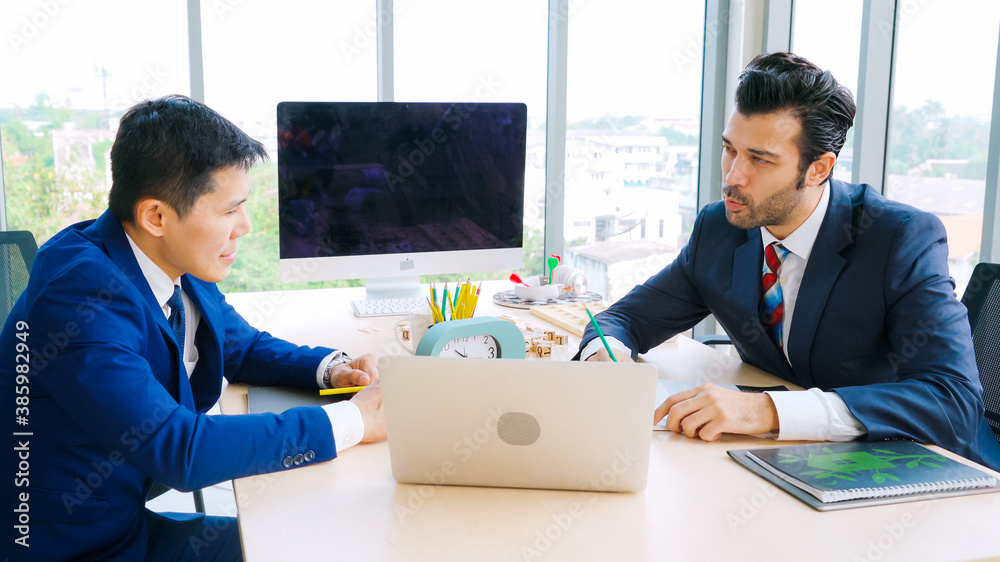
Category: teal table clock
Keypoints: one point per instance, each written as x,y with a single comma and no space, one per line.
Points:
483,338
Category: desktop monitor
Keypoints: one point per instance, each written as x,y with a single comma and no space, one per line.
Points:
387,191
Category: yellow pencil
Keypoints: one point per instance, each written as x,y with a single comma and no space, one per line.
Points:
345,390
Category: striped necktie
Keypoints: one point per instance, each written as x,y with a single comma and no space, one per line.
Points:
774,305
176,318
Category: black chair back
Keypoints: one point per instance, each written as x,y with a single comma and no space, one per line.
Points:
17,253
982,298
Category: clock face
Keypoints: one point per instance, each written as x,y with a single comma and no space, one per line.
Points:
481,346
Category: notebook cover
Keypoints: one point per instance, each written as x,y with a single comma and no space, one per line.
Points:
740,456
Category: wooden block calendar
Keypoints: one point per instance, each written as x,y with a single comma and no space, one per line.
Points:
570,317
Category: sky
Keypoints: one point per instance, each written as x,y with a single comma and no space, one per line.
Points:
625,57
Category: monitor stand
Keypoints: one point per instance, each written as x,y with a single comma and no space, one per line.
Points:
394,288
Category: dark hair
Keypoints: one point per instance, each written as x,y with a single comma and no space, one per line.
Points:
168,149
778,82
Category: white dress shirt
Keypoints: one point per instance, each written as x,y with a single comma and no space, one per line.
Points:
810,414
345,418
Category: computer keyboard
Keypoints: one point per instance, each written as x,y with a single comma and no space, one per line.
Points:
386,307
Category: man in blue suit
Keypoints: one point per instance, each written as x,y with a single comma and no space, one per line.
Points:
825,284
117,349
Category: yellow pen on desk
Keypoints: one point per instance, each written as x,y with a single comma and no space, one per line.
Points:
345,390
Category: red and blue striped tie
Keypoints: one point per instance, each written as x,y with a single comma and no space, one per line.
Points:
774,304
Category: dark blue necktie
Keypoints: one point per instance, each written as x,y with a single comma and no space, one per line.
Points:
177,318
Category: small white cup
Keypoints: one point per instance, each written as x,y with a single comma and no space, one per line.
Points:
416,325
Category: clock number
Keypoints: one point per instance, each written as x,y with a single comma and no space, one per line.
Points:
492,351
486,339
447,346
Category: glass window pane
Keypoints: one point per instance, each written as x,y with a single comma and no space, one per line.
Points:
813,19
71,71
943,96
501,58
633,110
257,54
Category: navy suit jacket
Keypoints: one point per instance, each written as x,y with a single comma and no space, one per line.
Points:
109,405
876,319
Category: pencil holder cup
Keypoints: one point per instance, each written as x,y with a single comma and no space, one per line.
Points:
536,291
411,329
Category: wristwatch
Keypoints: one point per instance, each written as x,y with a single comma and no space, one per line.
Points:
338,358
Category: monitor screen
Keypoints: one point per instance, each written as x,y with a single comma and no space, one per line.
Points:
384,189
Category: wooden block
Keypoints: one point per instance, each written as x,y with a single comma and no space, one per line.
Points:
550,334
406,335
560,339
543,351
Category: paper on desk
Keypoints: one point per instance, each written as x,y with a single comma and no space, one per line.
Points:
666,389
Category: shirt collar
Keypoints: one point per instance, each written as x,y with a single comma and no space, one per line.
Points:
801,241
159,282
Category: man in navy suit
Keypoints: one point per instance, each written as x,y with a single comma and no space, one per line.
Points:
117,349
826,284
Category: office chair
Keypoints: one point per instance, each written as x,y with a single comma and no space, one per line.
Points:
159,489
17,250
982,298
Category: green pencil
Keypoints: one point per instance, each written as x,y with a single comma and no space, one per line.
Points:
593,322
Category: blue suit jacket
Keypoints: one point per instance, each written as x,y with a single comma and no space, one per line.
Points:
876,319
110,407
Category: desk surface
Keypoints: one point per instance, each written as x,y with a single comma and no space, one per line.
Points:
699,505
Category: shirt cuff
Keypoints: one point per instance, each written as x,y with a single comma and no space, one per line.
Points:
814,415
347,423
594,345
335,356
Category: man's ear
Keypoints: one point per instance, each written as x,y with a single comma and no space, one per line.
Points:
820,169
149,216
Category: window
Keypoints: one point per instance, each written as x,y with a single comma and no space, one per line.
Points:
940,123
633,101
71,73
314,51
501,59
813,20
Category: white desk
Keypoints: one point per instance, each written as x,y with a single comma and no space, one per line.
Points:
699,504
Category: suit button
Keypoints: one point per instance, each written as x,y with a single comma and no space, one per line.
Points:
297,460
286,462
309,456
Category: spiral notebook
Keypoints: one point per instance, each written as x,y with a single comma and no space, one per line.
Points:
852,474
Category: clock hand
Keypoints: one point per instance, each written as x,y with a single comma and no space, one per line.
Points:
460,354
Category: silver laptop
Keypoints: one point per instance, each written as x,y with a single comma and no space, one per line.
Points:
519,423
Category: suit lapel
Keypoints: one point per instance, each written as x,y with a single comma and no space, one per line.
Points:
111,232
825,265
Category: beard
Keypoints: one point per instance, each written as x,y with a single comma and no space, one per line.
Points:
774,210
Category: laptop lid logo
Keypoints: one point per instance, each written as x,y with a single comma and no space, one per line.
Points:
518,428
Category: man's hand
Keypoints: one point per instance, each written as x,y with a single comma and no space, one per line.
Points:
369,402
708,411
359,372
602,355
